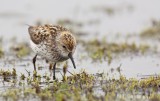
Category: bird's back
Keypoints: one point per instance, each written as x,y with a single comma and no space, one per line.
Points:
43,33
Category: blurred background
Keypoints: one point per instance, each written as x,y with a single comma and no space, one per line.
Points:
102,17
115,21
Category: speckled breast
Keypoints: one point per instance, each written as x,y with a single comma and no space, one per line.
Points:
46,52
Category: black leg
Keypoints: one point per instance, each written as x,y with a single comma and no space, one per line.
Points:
34,62
54,67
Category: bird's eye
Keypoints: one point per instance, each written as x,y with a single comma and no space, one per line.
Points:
64,47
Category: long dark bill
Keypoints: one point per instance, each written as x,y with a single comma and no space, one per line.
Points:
71,57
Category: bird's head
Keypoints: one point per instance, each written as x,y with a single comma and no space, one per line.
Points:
66,43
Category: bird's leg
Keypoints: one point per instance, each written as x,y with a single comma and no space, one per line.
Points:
54,67
50,66
34,62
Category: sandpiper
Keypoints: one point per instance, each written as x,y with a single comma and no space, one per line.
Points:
54,43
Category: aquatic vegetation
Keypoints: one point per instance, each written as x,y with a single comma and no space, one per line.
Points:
152,32
107,10
64,22
154,97
69,22
112,10
21,49
99,50
84,86
1,49
1,52
7,74
57,90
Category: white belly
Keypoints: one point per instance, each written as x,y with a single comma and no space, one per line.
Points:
41,50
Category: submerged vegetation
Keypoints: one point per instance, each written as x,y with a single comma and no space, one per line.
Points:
80,87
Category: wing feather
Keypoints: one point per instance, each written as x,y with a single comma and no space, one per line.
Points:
46,32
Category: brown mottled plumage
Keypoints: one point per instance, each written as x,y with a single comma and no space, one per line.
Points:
40,33
54,43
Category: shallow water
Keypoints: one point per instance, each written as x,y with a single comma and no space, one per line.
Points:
129,17
122,24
